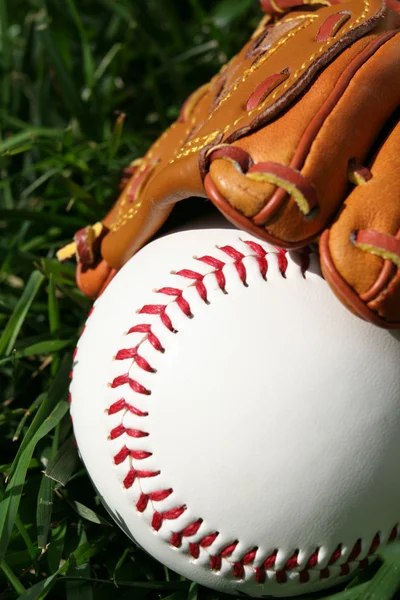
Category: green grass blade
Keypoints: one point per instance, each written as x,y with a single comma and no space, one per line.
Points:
5,50
33,551
193,592
9,504
12,578
39,590
55,549
47,347
41,217
28,413
106,61
79,589
16,321
116,136
384,585
70,93
88,514
80,557
88,63
62,466
226,11
53,307
39,182
32,134
54,318
57,391
44,510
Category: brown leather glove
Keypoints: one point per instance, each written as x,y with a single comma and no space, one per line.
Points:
296,140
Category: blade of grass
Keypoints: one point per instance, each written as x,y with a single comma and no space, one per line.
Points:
119,564
69,91
54,318
44,510
58,390
16,321
106,61
47,347
45,498
81,556
33,551
12,578
62,466
39,181
384,585
5,50
116,137
193,592
88,63
55,548
227,11
53,307
79,589
9,505
29,412
41,217
31,134
88,514
122,10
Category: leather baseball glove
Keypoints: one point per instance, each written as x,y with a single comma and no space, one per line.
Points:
296,140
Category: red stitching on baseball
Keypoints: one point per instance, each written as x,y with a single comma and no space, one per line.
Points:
250,556
260,256
282,261
154,341
125,452
134,353
356,551
160,517
192,529
124,405
133,384
120,430
394,534
313,560
305,261
238,261
304,576
133,475
158,309
215,563
336,555
281,577
157,496
260,575
292,562
229,550
179,299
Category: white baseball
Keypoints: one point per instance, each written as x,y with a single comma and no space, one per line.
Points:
238,422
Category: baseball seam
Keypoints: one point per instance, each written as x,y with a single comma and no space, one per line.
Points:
250,558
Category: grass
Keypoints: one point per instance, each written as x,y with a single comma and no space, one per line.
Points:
84,89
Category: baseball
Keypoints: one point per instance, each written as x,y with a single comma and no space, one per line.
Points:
238,422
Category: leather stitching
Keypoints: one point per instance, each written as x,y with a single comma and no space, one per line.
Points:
250,559
201,142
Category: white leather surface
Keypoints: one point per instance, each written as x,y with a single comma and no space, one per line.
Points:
274,414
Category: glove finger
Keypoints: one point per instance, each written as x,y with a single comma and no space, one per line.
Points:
94,280
360,254
146,201
139,211
286,181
